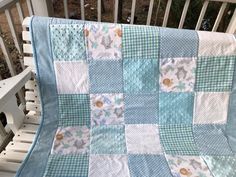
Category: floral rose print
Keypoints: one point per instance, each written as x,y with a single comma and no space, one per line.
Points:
107,109
177,74
71,140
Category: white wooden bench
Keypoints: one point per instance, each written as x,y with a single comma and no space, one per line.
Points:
23,126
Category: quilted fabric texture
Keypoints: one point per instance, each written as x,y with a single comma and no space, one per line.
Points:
103,41
69,165
178,43
213,75
133,101
68,42
141,108
106,76
140,76
74,109
175,108
178,140
211,140
145,46
108,140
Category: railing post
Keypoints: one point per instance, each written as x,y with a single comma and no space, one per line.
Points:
232,25
42,7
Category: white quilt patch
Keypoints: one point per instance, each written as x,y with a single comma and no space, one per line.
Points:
72,77
142,139
211,107
108,166
216,44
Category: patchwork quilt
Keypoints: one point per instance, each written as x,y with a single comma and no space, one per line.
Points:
132,101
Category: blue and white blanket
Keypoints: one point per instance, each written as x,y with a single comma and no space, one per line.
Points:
132,101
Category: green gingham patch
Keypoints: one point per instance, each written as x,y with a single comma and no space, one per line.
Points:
178,139
214,73
140,42
74,109
67,166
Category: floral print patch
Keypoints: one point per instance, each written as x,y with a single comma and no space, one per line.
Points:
107,109
188,166
71,140
103,41
177,74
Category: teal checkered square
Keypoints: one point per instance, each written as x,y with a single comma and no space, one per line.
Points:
140,76
176,108
140,42
108,139
178,139
67,166
74,109
68,43
215,73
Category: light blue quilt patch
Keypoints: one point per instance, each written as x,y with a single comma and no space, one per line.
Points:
176,108
108,139
68,42
211,139
221,166
106,76
74,109
141,108
178,139
148,166
67,166
178,43
140,42
140,76
215,74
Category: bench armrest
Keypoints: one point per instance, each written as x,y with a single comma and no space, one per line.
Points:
9,87
8,103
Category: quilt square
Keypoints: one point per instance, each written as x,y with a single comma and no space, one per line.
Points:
221,165
108,166
71,140
140,76
72,77
74,110
108,139
211,139
176,108
106,76
68,42
142,139
103,41
182,166
211,107
178,139
175,43
216,44
107,109
140,42
214,74
67,165
148,166
177,74
141,108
